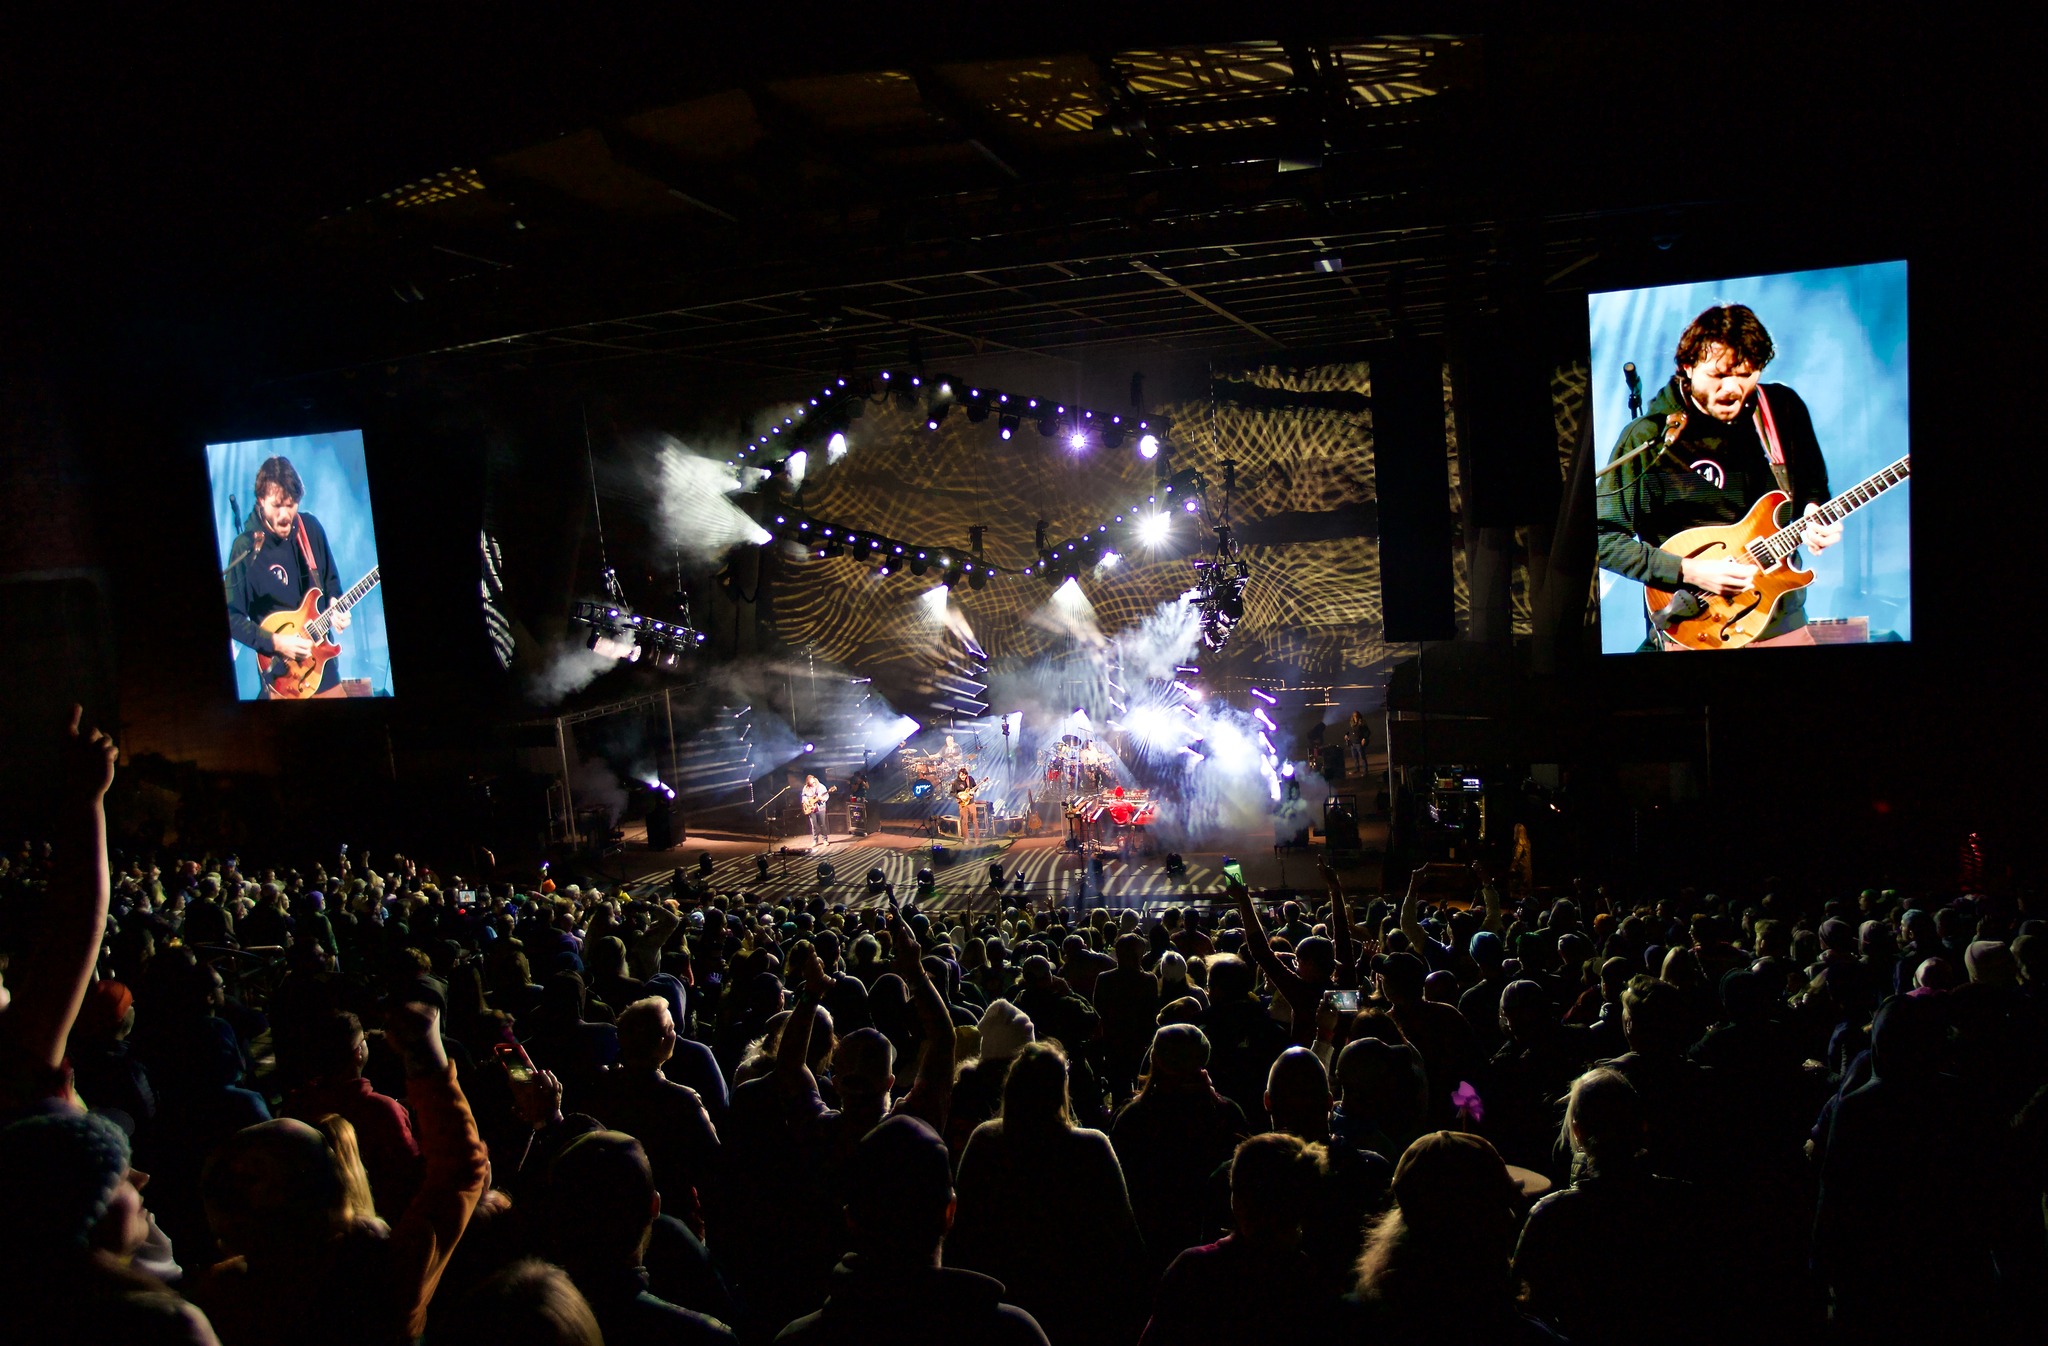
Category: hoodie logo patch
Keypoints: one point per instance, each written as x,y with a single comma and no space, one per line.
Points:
1706,467
283,578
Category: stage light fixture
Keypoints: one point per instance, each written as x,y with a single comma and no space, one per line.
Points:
995,874
977,408
1193,504
795,465
1148,446
1006,424
979,579
835,447
1077,440
1113,436
1154,529
886,569
1048,424
918,565
810,748
826,874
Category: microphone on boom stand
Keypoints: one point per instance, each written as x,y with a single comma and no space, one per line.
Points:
1635,391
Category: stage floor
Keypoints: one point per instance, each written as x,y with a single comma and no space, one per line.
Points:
1048,870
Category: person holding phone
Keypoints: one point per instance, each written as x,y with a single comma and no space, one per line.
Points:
1317,960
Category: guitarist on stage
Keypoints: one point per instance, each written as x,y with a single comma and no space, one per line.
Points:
815,797
964,790
280,553
1732,439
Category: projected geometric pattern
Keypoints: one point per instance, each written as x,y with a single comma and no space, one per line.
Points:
1312,611
1312,608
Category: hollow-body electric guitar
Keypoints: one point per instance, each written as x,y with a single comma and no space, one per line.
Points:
300,678
1730,623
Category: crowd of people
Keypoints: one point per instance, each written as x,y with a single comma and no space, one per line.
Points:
357,1102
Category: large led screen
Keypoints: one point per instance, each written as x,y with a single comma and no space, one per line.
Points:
298,552
1753,493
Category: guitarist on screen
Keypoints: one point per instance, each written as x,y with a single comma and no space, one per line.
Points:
280,553
1730,439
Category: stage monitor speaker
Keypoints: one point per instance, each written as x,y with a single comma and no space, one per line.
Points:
1411,467
1334,765
1507,430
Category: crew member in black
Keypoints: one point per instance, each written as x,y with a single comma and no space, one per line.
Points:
280,553
1740,439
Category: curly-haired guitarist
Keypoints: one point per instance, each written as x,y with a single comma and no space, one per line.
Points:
280,554
1730,439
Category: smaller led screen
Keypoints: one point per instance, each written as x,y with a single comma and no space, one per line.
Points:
298,552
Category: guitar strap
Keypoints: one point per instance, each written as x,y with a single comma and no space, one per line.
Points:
1774,448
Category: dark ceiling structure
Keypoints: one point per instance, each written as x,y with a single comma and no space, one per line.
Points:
754,199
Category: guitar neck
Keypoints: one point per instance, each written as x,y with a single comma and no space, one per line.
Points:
320,625
1781,544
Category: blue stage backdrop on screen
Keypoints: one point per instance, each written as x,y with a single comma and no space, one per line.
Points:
1841,344
263,550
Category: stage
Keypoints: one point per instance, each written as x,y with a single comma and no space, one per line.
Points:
1048,870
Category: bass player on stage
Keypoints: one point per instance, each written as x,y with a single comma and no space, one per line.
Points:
1731,439
815,796
280,553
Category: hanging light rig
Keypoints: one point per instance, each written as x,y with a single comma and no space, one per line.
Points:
614,630
787,451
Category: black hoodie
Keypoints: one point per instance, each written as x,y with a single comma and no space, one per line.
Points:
1712,475
912,1305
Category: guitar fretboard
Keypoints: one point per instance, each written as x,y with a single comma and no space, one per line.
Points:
1768,551
319,626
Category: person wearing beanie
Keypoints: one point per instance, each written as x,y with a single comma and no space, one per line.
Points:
978,1091
106,1073
1173,980
71,1223
1989,962
1004,1031
894,1284
1170,1138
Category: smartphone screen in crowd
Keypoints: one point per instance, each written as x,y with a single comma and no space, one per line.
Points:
518,1065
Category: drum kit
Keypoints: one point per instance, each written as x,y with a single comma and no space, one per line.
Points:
938,767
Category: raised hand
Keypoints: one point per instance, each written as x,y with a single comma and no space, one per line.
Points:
414,1031
539,1100
88,757
909,958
